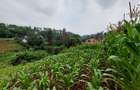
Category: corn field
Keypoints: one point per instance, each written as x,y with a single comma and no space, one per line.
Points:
112,64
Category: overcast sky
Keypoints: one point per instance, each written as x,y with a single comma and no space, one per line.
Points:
78,16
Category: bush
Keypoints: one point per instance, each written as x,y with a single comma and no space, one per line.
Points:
28,56
54,49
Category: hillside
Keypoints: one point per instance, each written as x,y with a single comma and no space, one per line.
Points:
77,58
38,38
9,44
57,60
112,64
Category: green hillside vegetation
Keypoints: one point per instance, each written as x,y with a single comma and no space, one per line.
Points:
65,68
37,38
112,64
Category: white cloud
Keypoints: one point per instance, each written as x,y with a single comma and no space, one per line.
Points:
79,16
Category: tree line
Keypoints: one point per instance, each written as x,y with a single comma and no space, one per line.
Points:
39,38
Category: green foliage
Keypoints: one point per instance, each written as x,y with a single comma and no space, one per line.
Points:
39,38
62,71
112,64
121,51
28,56
54,49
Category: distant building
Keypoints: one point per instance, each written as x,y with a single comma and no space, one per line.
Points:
93,38
91,41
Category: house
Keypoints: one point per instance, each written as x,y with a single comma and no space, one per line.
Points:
91,41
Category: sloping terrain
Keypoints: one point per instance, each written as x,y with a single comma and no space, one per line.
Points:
9,44
63,71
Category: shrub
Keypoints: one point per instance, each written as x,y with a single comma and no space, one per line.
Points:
28,56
